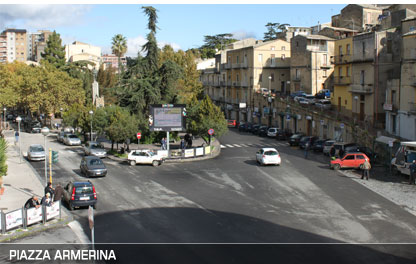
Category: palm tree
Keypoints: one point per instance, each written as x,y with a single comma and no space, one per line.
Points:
119,47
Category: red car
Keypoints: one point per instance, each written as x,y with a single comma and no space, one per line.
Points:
350,160
232,123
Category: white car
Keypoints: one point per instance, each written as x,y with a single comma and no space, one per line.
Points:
36,152
272,132
144,156
72,140
267,156
93,148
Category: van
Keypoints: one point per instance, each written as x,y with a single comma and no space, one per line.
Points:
404,157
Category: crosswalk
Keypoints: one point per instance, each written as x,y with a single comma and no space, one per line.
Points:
253,145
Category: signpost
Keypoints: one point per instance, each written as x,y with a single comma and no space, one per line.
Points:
210,133
91,222
139,136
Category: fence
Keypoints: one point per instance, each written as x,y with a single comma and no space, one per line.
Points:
25,217
186,153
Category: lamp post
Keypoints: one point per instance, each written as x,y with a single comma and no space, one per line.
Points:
4,114
19,119
45,132
270,100
91,113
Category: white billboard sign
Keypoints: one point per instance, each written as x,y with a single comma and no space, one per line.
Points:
14,219
52,211
34,215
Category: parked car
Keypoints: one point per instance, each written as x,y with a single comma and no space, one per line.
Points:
366,150
324,104
272,132
36,152
338,149
308,99
352,160
283,134
231,123
144,156
297,93
267,156
255,129
61,136
304,140
77,194
242,127
263,131
35,127
327,146
92,166
318,146
69,130
72,140
249,127
295,138
323,94
93,148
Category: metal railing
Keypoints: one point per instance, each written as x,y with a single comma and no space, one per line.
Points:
342,80
364,88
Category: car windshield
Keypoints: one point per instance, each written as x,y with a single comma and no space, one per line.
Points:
96,162
95,146
83,190
271,153
329,143
72,136
36,148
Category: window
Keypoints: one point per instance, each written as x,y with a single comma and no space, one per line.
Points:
297,77
348,71
324,74
360,157
340,72
412,29
283,56
272,75
340,50
324,59
272,48
346,102
283,48
260,77
363,48
237,78
260,57
362,77
297,43
393,97
393,123
238,59
348,49
389,46
349,157
272,59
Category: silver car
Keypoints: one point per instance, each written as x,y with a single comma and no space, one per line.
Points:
72,140
93,148
36,152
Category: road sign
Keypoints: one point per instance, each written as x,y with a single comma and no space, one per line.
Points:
139,135
342,125
287,117
91,217
211,131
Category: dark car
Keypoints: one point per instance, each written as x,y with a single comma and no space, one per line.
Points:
255,129
297,93
339,149
249,127
92,166
304,140
283,134
78,194
242,126
318,146
263,131
295,138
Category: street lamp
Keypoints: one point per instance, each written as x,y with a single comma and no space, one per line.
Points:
4,113
19,119
45,132
91,112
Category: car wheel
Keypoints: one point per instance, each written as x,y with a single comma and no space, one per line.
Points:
337,167
132,162
155,163
71,208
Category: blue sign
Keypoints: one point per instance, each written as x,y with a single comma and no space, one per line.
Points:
211,131
287,117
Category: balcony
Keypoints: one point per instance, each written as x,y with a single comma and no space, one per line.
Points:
361,59
361,89
229,84
223,83
227,66
342,80
341,59
412,108
240,84
239,65
296,79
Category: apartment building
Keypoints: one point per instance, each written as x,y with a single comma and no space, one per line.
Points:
3,48
37,43
360,17
342,98
111,60
15,41
310,66
78,51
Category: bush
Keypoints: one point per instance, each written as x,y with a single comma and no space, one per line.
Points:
3,157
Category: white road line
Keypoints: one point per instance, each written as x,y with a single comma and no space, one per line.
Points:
230,146
222,146
238,146
244,145
79,232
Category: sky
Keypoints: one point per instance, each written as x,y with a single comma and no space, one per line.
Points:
183,26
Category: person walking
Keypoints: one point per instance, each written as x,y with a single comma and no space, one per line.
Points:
49,189
366,170
33,202
412,169
59,191
182,144
163,143
46,200
16,136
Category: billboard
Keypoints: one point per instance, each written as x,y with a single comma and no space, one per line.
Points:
167,117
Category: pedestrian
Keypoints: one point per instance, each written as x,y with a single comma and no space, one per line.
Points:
366,170
16,136
163,143
59,191
190,142
182,144
165,146
49,189
186,139
412,169
307,146
47,200
33,202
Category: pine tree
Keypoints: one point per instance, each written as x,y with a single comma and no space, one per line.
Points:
54,52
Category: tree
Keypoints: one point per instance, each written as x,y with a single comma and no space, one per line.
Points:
54,52
214,43
150,47
3,158
203,115
121,125
119,48
273,30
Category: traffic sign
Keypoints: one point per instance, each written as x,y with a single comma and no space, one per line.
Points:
139,135
342,125
211,131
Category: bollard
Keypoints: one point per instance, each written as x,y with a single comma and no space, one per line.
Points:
3,222
43,214
24,218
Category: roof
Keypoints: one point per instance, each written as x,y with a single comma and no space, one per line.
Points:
410,33
268,149
385,140
340,29
82,183
369,6
409,143
319,37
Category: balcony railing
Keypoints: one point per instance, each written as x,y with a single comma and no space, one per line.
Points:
342,80
227,66
412,108
341,59
239,65
296,79
363,89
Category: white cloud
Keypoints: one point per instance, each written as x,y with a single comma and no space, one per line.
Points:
41,16
134,46
242,34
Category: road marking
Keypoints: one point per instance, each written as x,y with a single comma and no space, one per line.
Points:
230,146
244,145
238,146
222,146
79,232
137,189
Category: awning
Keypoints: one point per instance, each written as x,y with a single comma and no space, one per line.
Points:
386,140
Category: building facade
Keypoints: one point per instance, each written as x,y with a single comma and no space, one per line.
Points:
78,51
111,60
15,41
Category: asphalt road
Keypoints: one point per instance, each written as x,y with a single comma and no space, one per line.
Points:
231,199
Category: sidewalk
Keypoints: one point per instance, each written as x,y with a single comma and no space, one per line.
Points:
21,182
